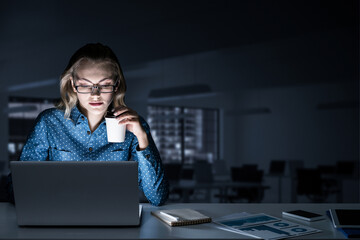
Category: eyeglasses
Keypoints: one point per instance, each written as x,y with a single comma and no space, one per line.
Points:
91,88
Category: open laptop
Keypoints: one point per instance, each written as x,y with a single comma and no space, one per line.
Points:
51,193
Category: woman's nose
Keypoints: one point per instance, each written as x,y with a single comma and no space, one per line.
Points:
95,91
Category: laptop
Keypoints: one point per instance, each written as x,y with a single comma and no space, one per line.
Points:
87,193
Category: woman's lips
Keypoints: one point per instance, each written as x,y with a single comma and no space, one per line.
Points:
96,104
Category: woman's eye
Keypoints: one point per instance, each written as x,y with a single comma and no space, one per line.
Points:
106,88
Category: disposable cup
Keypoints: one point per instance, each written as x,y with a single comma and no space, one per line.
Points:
115,131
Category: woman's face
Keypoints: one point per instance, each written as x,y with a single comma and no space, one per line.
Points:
88,74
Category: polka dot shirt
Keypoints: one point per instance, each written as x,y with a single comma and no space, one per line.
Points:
55,138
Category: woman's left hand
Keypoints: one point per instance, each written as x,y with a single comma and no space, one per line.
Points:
129,117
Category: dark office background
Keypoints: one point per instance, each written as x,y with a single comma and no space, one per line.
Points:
271,82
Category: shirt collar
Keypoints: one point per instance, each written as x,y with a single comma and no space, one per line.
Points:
76,116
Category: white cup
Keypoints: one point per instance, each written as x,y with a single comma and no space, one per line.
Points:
115,131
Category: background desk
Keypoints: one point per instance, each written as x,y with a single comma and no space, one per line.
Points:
152,228
223,188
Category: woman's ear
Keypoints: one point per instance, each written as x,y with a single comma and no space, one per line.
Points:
72,84
117,83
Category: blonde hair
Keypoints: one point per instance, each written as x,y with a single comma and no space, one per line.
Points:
97,53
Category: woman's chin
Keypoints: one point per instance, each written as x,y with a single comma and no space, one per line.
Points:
97,110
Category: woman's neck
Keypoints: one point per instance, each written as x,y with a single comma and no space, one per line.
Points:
94,120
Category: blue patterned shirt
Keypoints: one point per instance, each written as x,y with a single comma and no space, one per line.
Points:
55,138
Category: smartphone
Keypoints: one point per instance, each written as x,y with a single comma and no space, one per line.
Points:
303,215
345,218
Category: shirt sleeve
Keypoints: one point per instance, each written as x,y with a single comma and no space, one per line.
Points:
152,179
37,145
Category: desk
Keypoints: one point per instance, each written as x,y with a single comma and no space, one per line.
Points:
223,186
152,228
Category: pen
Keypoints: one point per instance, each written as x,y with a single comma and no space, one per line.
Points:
170,216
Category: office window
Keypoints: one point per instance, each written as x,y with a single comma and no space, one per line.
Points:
22,113
184,135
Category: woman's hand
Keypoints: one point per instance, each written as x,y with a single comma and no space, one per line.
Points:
129,117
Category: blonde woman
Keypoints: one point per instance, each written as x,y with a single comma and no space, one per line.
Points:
91,85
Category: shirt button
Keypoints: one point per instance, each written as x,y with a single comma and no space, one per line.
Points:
82,118
147,156
88,132
90,149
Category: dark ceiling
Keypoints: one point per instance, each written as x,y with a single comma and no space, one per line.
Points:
162,29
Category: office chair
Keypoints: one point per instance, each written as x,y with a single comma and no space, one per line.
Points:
346,169
247,175
250,167
172,171
4,195
327,169
277,168
203,175
173,174
186,174
310,184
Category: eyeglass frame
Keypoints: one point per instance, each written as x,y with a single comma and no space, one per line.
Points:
95,86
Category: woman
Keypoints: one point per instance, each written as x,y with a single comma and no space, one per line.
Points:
91,85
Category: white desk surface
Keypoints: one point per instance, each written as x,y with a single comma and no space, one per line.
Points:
152,228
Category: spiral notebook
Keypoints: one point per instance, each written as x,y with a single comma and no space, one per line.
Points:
181,217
